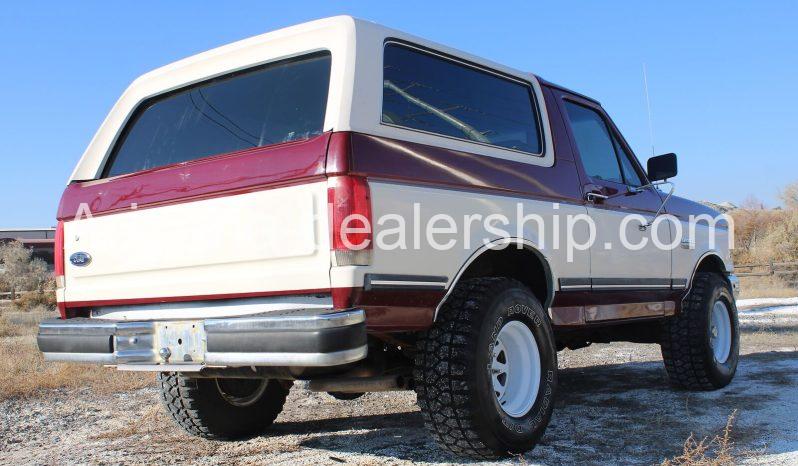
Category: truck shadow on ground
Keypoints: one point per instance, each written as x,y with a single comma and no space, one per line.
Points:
621,413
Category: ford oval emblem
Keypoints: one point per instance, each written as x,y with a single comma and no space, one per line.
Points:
80,259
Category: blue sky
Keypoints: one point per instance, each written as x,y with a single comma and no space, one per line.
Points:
722,75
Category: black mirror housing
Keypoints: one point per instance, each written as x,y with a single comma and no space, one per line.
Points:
662,167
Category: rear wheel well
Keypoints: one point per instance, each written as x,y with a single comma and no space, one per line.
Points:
523,264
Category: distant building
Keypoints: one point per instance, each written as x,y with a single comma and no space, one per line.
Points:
40,240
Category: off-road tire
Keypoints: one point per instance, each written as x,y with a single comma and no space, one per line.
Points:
686,350
200,409
457,401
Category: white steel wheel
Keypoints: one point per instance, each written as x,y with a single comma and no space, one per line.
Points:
515,368
720,332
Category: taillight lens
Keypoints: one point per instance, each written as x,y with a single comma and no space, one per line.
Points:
59,255
349,202
58,262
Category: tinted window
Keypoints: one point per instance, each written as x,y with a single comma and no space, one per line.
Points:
429,93
279,102
627,166
594,143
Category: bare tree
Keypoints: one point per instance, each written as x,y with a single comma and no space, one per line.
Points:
21,271
40,276
789,195
752,203
16,261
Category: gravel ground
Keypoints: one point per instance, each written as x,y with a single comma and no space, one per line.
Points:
614,406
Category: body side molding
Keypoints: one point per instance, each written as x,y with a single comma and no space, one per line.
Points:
373,281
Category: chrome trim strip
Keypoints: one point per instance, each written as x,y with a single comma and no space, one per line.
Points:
574,283
83,328
286,322
632,286
287,359
375,281
407,283
607,312
617,283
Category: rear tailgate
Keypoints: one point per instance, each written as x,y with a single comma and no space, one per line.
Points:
247,224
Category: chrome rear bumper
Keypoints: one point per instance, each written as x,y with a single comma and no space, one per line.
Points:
310,338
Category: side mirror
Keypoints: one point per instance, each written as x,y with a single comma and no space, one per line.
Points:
662,167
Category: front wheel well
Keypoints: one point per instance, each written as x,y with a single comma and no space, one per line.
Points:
711,263
521,263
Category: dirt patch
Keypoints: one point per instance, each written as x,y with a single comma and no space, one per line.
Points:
615,406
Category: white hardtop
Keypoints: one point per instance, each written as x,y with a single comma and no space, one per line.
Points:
356,51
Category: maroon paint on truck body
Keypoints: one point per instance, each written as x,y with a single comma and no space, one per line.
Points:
390,159
684,208
391,310
220,175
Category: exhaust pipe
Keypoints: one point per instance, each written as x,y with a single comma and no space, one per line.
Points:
384,383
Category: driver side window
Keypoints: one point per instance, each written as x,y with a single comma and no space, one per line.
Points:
602,154
627,166
594,143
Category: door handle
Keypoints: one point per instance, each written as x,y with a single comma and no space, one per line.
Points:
595,197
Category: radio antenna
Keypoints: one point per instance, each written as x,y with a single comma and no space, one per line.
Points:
648,108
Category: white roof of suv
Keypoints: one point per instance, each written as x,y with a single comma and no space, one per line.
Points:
356,51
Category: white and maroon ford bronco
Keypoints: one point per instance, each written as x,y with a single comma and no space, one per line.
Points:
338,203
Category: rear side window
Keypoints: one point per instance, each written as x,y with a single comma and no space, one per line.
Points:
279,102
430,93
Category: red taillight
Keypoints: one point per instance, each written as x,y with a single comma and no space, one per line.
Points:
58,262
59,252
349,202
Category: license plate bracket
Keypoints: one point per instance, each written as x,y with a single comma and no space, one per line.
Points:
180,342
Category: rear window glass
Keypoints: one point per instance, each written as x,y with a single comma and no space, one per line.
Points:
430,93
279,102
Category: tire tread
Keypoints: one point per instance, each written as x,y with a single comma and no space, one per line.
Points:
441,374
186,402
683,341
